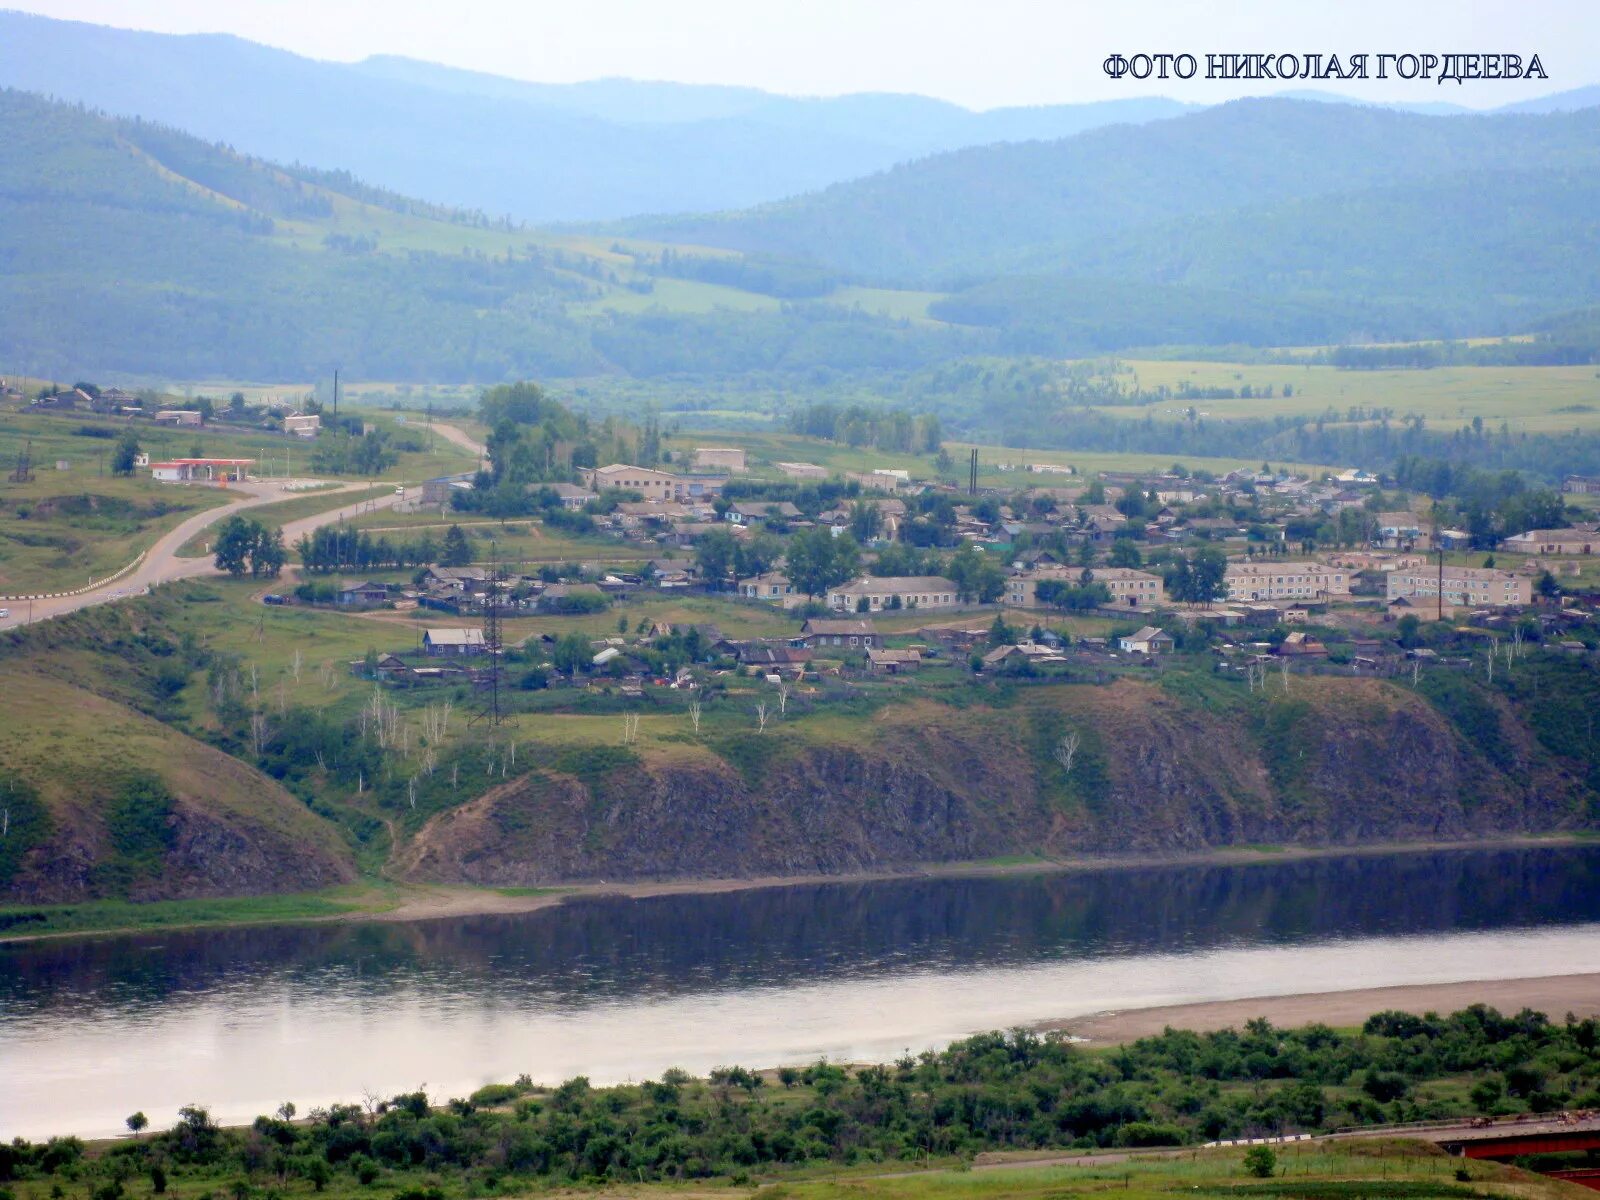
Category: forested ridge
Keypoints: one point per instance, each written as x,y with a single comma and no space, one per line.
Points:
135,249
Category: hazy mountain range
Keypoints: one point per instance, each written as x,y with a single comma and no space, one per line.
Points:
181,244
539,152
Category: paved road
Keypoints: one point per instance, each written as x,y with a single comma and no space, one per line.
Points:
162,563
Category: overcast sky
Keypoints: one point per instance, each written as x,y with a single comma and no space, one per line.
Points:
980,53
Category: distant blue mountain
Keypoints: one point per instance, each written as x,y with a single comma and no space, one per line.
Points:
540,152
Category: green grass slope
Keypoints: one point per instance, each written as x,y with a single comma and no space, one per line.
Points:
101,800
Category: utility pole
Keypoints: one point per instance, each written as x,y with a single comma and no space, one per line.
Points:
972,474
336,395
1440,551
492,642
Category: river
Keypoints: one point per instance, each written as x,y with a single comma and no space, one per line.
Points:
241,1020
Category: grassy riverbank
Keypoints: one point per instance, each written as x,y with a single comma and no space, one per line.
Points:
30,921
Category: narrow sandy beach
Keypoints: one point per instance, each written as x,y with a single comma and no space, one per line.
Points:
1554,995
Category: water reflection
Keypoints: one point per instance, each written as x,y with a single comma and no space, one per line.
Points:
243,1019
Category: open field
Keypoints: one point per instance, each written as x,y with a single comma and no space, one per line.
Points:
1529,399
767,448
1315,1171
67,528
680,296
85,441
887,302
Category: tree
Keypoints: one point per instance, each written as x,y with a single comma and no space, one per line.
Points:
1207,576
975,577
1000,633
236,538
1547,587
757,553
1486,1094
1409,631
1125,554
457,552
818,560
126,454
268,554
715,552
571,653
1260,1161
866,521
137,1122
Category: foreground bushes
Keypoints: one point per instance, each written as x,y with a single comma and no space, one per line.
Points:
1016,1090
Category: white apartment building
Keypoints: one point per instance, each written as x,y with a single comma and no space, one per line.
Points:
1129,588
1464,587
880,592
1286,581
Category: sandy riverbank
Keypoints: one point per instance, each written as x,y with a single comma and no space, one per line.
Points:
1555,995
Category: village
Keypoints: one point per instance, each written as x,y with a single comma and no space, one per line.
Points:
873,576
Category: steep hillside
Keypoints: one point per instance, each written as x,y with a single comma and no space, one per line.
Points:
101,800
190,755
1337,762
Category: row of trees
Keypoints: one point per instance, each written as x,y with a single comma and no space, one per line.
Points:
338,547
994,1091
881,428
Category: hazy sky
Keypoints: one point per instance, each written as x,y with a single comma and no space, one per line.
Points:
980,53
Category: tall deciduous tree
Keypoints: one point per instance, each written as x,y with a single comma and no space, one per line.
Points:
126,454
818,560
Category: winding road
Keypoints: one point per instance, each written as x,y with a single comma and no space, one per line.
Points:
163,564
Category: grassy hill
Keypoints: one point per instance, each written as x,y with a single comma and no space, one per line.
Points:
106,801
208,745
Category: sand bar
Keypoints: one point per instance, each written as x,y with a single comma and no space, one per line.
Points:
1555,995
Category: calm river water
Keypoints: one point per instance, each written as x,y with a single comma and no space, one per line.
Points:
241,1020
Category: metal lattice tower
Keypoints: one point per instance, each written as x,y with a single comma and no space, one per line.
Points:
491,711
24,471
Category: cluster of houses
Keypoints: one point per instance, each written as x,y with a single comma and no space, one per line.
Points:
116,402
1393,571
678,509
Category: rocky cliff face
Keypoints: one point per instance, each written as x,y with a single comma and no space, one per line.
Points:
1334,762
